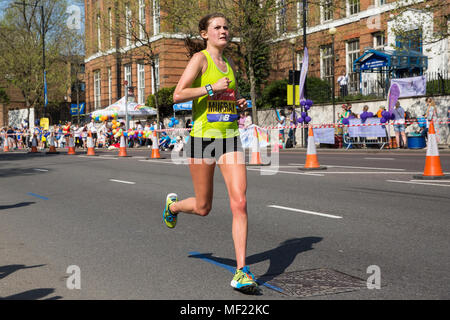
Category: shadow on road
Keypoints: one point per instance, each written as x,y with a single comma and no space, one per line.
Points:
33,294
7,270
17,205
280,258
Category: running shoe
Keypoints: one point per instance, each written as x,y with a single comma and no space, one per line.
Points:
170,218
244,281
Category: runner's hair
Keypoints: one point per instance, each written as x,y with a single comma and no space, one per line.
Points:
194,46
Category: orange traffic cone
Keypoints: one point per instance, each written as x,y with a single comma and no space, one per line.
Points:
51,148
5,143
155,147
90,145
255,159
34,145
312,162
71,150
123,147
433,169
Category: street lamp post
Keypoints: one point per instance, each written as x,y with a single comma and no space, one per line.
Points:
332,32
293,42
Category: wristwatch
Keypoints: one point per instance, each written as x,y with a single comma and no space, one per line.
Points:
209,90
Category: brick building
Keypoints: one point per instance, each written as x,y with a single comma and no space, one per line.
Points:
111,58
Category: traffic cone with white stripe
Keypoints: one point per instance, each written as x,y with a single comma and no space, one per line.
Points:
312,163
90,145
51,142
123,147
255,159
34,145
5,143
71,150
433,169
155,147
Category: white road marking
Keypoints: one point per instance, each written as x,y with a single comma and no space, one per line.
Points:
289,172
440,181
379,158
306,211
351,167
122,181
98,157
183,162
370,172
42,170
422,183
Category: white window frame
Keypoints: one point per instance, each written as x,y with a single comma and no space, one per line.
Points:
109,86
299,15
155,81
349,3
281,18
99,33
142,21
326,14
141,83
110,20
97,90
380,3
128,14
156,17
349,54
127,73
375,41
324,58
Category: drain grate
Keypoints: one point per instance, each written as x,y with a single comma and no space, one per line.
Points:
316,282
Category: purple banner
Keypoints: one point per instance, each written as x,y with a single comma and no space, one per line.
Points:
393,95
303,74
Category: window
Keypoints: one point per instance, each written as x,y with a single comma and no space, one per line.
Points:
352,55
411,40
380,2
326,10
128,25
156,17
155,79
141,83
127,74
141,19
99,34
281,16
353,7
110,27
326,63
97,90
379,41
109,86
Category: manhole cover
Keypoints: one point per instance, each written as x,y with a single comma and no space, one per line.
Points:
314,282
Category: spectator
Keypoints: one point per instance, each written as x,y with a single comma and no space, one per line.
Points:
179,144
293,119
282,124
399,125
248,120
91,127
241,120
379,115
343,85
164,141
431,115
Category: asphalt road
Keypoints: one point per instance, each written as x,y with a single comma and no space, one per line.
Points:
104,215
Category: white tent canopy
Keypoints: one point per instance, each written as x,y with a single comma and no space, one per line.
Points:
118,107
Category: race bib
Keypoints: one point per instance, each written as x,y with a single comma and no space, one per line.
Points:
221,107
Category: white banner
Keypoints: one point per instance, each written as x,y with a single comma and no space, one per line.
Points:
410,87
324,135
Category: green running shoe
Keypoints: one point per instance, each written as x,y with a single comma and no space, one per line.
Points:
244,281
170,218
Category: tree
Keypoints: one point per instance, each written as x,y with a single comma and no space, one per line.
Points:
129,27
21,49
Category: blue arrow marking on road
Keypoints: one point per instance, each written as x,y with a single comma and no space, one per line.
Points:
37,196
229,268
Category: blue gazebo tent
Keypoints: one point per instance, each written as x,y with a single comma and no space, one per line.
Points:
393,63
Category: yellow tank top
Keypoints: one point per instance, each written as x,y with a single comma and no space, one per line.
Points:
216,116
